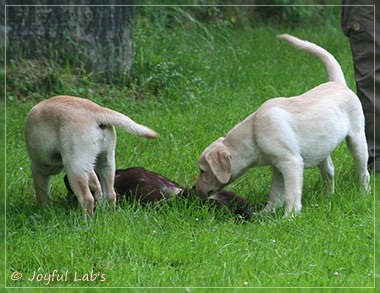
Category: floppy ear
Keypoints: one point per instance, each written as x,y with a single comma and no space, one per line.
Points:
220,164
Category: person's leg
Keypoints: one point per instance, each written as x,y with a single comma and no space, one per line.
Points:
360,30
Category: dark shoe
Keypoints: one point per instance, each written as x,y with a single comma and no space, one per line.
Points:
373,165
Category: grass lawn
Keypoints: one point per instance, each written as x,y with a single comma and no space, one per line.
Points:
191,83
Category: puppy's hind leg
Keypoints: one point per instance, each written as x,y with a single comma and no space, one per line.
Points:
78,168
105,167
277,192
95,187
79,183
357,145
326,167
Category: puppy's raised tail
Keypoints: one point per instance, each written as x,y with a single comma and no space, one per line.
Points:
112,118
333,68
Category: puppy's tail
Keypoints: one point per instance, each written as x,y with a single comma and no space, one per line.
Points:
333,68
109,117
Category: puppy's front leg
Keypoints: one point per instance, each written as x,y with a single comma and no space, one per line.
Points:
292,172
41,186
326,167
277,192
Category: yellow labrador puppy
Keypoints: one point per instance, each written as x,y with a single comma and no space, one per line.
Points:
291,134
77,135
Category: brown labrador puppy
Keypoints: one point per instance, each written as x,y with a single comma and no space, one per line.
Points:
137,183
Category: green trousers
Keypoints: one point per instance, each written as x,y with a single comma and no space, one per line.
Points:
358,23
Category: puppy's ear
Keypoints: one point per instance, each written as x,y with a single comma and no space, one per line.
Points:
220,164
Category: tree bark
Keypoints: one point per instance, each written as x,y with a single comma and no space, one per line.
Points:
101,37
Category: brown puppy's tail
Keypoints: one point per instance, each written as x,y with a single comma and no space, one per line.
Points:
112,118
332,66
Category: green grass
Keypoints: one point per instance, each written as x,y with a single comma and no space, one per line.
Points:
191,84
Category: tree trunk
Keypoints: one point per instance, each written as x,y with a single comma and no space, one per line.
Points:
101,37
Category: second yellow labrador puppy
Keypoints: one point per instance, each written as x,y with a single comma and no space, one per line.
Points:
77,135
291,134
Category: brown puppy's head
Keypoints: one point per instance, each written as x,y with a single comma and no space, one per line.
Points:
233,202
214,167
221,199
192,193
